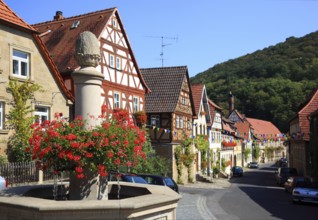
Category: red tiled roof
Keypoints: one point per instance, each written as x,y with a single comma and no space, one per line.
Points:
214,105
243,129
309,106
59,38
11,18
263,128
197,90
226,127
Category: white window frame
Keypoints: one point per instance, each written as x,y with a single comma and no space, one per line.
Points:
136,104
181,122
1,115
112,60
40,115
118,63
18,61
117,100
177,121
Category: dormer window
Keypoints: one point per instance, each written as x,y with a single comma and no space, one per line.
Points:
75,24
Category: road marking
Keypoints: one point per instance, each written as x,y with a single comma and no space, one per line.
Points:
203,209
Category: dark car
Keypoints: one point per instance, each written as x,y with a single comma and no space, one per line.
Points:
282,162
296,181
283,173
237,171
126,177
160,180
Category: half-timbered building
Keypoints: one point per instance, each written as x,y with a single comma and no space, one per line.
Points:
201,124
169,109
123,85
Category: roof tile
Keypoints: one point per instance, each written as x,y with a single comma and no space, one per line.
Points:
165,84
9,16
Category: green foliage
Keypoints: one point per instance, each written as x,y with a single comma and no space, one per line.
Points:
256,152
202,144
188,156
3,159
268,84
247,151
20,119
154,164
269,153
177,155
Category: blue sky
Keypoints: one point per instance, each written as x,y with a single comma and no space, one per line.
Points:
198,34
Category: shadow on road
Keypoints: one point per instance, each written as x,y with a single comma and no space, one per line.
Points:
260,186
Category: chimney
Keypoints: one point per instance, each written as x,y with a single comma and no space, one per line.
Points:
58,16
231,102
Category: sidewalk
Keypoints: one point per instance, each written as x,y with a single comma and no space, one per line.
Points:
218,183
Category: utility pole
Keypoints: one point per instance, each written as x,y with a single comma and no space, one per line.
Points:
163,45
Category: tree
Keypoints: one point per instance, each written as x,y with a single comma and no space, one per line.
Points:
247,152
256,152
202,145
20,119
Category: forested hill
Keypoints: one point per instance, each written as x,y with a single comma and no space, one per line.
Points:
268,84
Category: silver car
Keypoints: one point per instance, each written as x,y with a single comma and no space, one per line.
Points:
3,183
307,193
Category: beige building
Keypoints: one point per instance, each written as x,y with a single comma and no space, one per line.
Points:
23,57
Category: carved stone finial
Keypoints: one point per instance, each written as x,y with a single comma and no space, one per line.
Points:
87,52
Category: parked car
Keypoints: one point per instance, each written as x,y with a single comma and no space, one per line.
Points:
296,181
282,162
253,165
160,180
3,183
283,173
237,171
308,194
126,177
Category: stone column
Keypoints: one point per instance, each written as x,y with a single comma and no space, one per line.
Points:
88,83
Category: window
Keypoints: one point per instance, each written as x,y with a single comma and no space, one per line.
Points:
179,122
41,114
1,115
136,104
118,63
20,63
155,120
111,61
116,100
189,126
114,23
183,101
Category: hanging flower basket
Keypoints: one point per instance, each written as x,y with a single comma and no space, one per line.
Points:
141,118
229,144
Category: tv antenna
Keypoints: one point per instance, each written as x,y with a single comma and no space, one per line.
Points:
163,45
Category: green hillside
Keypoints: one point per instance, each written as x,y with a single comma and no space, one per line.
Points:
268,84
